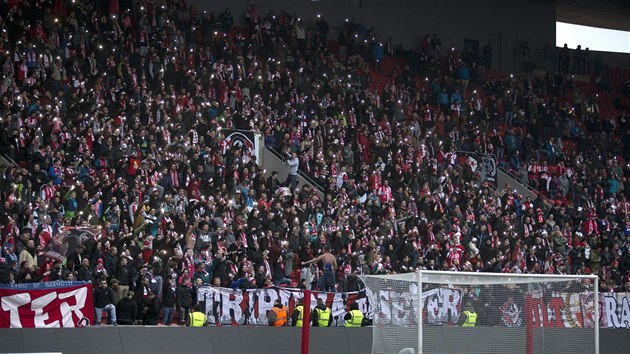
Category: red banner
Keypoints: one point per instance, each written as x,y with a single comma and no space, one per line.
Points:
46,305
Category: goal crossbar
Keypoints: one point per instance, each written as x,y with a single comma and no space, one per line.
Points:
473,278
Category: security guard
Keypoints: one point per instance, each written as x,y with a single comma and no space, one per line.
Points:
298,314
322,315
278,315
468,317
354,318
198,318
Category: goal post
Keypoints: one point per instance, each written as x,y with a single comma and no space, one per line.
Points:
467,312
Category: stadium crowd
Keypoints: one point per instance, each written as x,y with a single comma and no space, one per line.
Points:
115,113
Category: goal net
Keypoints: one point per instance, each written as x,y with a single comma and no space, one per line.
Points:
465,312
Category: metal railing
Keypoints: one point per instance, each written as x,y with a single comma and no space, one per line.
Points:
4,157
548,202
301,173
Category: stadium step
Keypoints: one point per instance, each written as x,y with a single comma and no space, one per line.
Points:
271,161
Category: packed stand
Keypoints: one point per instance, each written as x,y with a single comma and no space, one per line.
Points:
115,116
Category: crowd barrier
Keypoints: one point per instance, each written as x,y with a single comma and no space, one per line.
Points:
238,307
68,304
267,340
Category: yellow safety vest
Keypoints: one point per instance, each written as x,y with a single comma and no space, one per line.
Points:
299,308
471,319
322,317
356,320
197,319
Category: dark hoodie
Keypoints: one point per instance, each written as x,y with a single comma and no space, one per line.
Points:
126,311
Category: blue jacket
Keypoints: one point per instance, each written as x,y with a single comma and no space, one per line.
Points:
71,204
435,87
443,98
377,51
614,186
83,173
463,73
212,113
510,141
456,97
53,176
270,141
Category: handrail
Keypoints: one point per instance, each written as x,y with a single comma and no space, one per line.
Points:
9,160
282,158
509,173
546,200
515,177
240,130
300,172
536,192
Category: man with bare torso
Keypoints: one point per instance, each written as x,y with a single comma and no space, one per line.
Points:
329,264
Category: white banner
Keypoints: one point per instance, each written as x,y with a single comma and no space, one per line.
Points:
615,309
226,306
440,306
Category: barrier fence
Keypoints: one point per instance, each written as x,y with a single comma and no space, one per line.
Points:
441,306
259,340
69,304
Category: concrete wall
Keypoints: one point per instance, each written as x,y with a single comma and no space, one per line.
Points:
265,340
614,60
408,21
209,340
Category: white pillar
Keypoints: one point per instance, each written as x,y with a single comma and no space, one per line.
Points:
596,309
420,303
